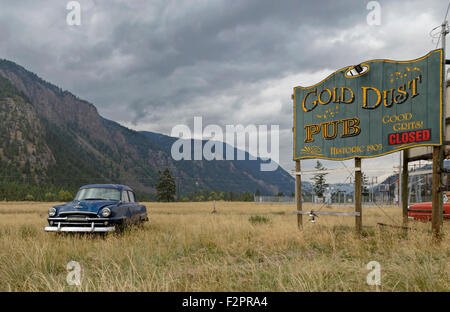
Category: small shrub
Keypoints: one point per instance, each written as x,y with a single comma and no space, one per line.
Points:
258,219
50,196
64,196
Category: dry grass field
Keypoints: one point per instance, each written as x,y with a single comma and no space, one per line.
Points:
186,248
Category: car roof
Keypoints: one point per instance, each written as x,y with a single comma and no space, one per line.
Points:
110,186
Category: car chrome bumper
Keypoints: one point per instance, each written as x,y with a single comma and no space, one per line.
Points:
80,229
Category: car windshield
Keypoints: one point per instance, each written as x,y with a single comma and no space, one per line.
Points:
97,193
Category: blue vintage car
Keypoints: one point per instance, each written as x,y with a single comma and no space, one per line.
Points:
97,208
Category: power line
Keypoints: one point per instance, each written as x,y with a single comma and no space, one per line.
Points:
446,13
443,22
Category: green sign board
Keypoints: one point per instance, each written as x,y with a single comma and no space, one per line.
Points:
372,109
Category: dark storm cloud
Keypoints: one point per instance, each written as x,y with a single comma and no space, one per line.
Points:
153,64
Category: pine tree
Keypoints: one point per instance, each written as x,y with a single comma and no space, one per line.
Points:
319,180
166,188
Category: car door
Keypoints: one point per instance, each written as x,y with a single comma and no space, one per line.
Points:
125,206
134,209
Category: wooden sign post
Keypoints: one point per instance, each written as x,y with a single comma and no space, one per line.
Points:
436,194
358,205
298,194
404,187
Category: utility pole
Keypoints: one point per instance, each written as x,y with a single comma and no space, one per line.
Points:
438,155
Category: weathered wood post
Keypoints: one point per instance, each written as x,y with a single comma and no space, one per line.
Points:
405,187
436,193
298,193
358,206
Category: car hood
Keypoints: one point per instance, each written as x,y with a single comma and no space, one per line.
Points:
85,206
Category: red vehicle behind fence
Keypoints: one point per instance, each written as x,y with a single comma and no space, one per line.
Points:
422,211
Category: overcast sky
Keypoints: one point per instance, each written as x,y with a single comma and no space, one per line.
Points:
152,64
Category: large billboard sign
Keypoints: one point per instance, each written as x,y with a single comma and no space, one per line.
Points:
372,109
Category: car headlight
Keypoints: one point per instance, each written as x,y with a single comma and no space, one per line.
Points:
106,212
51,212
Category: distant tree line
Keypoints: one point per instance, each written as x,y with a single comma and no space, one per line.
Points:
207,195
15,191
28,190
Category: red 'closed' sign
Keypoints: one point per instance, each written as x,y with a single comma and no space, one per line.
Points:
409,136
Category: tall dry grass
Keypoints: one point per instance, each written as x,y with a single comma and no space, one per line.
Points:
242,247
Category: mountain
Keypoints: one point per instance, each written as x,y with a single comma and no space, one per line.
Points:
52,140
241,175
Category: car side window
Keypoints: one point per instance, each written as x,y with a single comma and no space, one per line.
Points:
131,196
125,198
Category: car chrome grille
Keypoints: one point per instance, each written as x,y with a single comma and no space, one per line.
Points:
76,218
80,220
78,213
82,224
